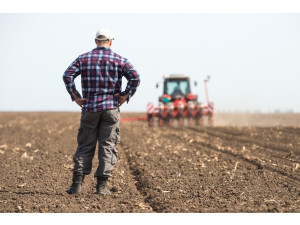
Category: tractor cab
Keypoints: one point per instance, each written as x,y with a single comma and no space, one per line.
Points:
177,87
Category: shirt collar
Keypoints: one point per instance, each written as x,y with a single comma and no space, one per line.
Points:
103,48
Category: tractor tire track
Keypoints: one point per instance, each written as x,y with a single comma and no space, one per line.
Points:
276,135
132,175
292,130
289,178
244,139
275,151
170,167
141,180
148,183
260,149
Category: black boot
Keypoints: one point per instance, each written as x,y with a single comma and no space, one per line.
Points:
101,186
76,185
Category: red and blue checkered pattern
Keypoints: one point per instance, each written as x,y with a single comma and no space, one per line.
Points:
101,78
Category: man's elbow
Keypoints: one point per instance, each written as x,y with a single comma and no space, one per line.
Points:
138,80
66,78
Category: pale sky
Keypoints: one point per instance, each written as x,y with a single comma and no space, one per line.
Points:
253,59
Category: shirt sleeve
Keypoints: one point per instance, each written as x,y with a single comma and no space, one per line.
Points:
133,80
70,74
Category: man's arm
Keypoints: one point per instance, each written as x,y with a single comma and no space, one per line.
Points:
70,74
133,81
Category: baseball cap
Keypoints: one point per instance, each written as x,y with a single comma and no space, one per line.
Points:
106,33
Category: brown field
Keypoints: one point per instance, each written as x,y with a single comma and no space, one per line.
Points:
245,163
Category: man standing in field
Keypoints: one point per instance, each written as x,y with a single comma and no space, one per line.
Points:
101,73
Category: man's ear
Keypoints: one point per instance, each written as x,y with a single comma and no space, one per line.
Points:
96,41
110,42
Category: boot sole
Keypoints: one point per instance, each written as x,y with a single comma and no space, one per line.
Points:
73,193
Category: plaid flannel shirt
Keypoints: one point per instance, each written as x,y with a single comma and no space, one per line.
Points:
101,79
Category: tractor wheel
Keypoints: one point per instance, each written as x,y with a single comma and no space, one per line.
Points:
150,122
199,121
161,122
211,121
180,120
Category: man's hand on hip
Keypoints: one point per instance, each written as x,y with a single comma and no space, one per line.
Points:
122,98
79,101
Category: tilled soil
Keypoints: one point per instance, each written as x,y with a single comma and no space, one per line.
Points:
168,169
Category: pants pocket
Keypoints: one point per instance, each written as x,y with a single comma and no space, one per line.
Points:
113,115
114,157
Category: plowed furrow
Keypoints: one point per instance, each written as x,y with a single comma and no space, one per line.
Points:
288,137
248,140
266,152
177,170
254,160
292,130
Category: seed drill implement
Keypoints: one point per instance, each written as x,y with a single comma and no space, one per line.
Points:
178,105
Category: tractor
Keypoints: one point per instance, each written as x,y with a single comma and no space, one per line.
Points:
178,105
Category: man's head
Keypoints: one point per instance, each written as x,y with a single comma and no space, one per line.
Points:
104,38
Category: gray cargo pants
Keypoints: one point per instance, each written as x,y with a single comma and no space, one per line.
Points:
104,127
